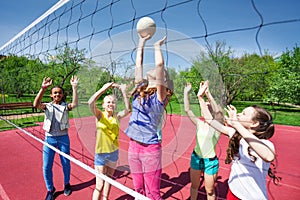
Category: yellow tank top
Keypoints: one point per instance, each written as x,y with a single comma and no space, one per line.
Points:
107,138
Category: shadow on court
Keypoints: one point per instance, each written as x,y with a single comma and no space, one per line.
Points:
77,187
21,169
176,184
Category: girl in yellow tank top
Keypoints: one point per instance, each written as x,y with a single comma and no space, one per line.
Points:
107,144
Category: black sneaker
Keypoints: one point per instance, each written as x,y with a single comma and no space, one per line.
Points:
50,194
67,189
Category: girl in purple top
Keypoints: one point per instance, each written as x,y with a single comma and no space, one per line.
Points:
149,100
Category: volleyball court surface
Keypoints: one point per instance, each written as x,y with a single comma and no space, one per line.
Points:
21,163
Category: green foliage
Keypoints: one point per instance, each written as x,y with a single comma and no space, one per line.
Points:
182,79
281,113
255,72
18,74
251,76
285,80
248,77
66,62
22,75
92,77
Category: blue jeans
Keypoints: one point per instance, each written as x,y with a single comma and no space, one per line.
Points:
63,144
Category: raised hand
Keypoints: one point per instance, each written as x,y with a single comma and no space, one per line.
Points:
202,88
161,41
232,115
147,37
46,82
74,81
207,89
188,87
122,87
143,40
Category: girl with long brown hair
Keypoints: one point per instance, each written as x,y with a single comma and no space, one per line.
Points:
250,151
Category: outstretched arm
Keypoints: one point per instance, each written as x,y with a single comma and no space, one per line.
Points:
206,113
95,97
38,99
74,82
160,70
139,59
218,113
259,147
125,112
187,109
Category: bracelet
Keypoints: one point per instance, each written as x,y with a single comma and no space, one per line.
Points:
44,87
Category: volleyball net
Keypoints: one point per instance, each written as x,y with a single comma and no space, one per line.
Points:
97,41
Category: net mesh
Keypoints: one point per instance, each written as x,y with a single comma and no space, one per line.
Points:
100,40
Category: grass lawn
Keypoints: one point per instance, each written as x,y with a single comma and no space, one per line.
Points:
282,114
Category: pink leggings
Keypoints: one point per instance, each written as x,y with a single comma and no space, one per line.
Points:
145,166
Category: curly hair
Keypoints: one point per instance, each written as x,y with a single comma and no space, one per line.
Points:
265,130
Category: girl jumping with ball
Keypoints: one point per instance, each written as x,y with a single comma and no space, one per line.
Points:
149,100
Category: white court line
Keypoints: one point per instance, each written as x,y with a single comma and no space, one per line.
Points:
118,185
3,194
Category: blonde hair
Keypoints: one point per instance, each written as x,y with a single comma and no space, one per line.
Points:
109,96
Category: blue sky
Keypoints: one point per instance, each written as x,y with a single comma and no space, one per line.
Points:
183,20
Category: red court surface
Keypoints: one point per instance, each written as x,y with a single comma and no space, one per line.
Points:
21,163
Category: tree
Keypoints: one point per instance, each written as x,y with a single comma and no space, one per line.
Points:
231,77
285,78
255,73
216,66
65,63
18,74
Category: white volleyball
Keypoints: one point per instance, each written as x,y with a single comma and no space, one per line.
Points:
146,26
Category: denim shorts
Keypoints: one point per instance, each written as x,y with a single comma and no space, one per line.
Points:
101,159
210,166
